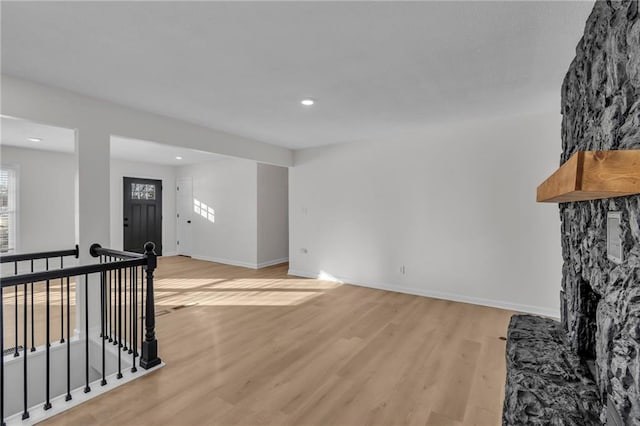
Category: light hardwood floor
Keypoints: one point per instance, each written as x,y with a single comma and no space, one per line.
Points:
259,347
58,319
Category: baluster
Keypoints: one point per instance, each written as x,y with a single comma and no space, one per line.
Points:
68,396
86,333
135,310
109,314
25,414
130,311
149,356
103,278
102,301
2,355
141,309
33,339
47,404
62,302
120,322
138,313
134,321
15,298
124,345
113,313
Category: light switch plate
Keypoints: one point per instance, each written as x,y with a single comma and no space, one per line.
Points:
614,239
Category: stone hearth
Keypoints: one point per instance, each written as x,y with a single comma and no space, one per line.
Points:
547,383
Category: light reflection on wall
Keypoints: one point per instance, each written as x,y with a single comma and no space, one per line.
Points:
204,210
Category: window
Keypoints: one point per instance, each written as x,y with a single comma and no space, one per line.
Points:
7,209
203,210
143,191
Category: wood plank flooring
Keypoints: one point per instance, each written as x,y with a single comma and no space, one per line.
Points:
260,347
57,318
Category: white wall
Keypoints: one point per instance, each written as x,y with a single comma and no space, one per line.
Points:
46,198
46,206
273,215
167,174
455,206
250,200
229,186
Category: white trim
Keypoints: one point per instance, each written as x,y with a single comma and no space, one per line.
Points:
240,262
59,405
14,195
226,261
171,253
537,310
273,262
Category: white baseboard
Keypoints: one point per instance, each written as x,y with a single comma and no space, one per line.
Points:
273,262
241,263
226,261
171,253
537,310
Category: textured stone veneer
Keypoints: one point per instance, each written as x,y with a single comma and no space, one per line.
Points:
547,383
601,111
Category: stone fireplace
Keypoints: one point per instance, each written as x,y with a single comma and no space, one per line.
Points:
600,299
601,307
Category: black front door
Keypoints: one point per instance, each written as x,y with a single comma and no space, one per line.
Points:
142,214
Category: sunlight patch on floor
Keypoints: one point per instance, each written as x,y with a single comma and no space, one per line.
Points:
275,284
186,282
235,298
245,283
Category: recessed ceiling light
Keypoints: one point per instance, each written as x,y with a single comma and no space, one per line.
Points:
34,139
307,102
178,158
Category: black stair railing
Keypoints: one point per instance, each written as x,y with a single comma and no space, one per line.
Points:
118,274
41,260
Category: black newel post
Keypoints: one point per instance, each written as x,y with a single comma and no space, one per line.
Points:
149,356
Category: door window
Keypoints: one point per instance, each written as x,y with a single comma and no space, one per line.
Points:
143,191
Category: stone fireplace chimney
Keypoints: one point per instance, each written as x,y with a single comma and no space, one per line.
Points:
586,369
600,298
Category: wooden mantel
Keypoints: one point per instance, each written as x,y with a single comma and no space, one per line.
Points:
592,175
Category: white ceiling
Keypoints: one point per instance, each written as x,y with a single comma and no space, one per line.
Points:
152,152
15,132
375,68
